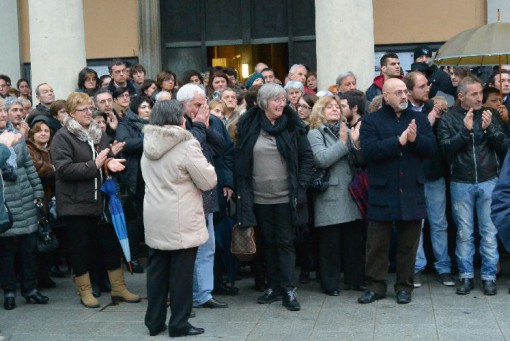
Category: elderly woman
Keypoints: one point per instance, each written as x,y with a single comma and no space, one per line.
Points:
81,157
175,172
337,218
274,164
130,131
22,188
294,90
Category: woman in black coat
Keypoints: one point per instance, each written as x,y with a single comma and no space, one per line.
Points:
273,166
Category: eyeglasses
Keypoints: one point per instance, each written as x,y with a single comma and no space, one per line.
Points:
168,80
279,100
399,92
90,109
303,106
126,95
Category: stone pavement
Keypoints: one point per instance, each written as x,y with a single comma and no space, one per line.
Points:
436,313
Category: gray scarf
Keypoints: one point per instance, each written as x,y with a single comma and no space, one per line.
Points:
90,135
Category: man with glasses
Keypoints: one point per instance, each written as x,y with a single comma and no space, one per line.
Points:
120,77
394,141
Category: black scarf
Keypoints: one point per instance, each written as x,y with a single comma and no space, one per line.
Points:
335,128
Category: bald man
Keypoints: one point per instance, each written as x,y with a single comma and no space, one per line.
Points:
394,141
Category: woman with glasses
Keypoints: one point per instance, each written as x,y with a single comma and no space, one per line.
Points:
304,106
273,164
166,81
130,131
294,90
82,157
121,100
87,81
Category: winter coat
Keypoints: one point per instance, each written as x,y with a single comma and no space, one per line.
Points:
20,194
42,163
4,155
395,172
78,181
335,205
175,172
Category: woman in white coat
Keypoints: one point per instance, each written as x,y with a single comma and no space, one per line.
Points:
175,173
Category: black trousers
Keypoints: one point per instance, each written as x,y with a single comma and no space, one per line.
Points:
170,272
279,234
341,245
83,232
26,246
378,243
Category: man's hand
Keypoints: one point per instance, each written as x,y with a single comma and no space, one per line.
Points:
355,134
228,193
203,115
503,112
468,120
112,121
115,165
403,137
435,114
412,130
117,147
9,138
486,118
24,128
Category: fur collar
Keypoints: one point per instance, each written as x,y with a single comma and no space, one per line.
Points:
158,140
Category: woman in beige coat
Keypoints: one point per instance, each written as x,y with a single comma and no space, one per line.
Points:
175,172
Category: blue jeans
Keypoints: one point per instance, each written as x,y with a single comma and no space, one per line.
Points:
203,275
435,200
465,199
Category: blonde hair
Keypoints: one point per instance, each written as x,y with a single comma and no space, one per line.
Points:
75,99
317,116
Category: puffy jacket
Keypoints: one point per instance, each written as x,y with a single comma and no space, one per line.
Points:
175,172
472,155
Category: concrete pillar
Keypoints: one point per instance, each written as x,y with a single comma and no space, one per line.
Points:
492,10
9,40
57,44
344,32
150,36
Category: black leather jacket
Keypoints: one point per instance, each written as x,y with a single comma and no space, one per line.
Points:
472,155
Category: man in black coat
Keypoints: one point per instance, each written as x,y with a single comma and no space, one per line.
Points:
394,141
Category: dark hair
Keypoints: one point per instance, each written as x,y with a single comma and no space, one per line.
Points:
230,71
115,62
489,91
461,71
138,100
102,78
6,78
18,83
167,112
83,75
186,77
384,59
494,74
310,99
147,84
209,88
136,68
164,75
56,106
355,98
119,91
251,96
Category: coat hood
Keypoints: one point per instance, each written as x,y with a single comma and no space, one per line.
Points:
160,139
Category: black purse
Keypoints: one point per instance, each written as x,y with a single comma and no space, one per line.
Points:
46,239
6,224
320,180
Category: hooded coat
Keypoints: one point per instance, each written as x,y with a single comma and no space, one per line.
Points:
175,172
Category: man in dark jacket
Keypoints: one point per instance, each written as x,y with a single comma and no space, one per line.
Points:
435,190
120,77
394,141
390,68
438,79
472,137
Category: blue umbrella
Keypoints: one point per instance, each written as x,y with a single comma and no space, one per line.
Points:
110,188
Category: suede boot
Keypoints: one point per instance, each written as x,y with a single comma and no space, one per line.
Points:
85,290
119,289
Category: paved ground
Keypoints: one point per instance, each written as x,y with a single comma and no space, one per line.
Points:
436,313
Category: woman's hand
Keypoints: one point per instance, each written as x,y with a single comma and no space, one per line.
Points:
355,134
343,132
9,138
101,157
115,165
117,147
112,121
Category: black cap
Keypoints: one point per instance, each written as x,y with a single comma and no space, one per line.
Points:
421,67
422,50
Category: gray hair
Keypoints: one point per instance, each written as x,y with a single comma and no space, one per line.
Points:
294,67
468,80
268,92
10,101
161,93
37,92
188,91
99,92
344,75
167,112
295,85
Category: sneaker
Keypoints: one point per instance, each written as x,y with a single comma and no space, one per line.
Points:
446,279
290,300
269,296
417,280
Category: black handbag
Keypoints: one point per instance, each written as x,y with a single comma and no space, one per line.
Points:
6,224
46,239
320,180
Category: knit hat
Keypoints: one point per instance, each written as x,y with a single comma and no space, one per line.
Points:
252,79
422,50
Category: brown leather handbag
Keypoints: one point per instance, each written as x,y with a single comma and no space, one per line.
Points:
243,243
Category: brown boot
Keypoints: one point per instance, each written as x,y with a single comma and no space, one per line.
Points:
119,290
85,291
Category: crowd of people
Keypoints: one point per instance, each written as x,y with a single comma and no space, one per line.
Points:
195,152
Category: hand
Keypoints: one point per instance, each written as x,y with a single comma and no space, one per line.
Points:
343,132
355,134
403,137
101,157
24,128
117,147
228,193
412,130
9,138
115,165
486,118
503,112
203,115
435,114
112,120
468,120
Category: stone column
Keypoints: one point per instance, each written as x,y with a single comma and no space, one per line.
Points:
57,44
344,32
10,40
150,36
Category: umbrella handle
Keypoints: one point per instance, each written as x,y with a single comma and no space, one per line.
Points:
130,267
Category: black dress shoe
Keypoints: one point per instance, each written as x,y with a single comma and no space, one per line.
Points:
46,282
403,297
9,303
489,288
37,298
158,330
213,303
332,292
369,297
224,289
190,330
465,286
